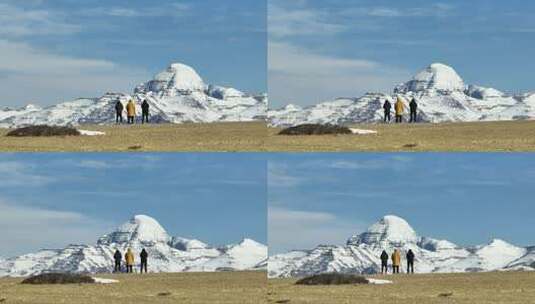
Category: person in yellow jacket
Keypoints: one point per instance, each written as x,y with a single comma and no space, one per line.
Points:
399,106
129,258
131,111
396,261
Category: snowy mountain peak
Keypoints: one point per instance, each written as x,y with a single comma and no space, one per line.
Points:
362,254
250,243
438,77
177,77
30,107
501,246
187,244
391,230
141,232
141,228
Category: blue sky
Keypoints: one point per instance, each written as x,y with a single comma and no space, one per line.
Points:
52,200
337,48
58,50
467,198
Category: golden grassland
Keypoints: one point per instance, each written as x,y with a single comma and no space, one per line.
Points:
221,287
447,137
256,137
220,137
469,288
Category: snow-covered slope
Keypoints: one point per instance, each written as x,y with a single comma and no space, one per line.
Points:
441,94
175,95
166,254
361,254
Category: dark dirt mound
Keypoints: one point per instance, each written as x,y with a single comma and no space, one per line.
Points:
43,131
58,278
315,129
332,279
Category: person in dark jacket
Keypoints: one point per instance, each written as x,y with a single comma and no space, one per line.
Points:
117,257
145,112
119,112
384,262
143,256
387,106
413,106
410,261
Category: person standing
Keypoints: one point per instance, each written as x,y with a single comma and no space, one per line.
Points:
129,257
410,261
145,111
119,112
131,111
396,261
413,106
387,106
384,262
143,256
400,108
117,257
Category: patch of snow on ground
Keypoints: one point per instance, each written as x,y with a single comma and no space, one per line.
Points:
91,133
362,131
105,281
378,281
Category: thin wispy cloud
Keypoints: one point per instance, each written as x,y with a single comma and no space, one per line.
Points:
42,76
44,228
18,173
165,10
131,161
300,229
20,22
297,74
431,10
279,176
390,162
284,22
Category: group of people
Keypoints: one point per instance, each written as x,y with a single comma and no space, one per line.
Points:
399,108
131,111
130,260
396,261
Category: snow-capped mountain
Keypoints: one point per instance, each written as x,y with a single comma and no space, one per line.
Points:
175,95
361,254
441,94
166,253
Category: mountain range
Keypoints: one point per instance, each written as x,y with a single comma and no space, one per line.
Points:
166,253
440,92
361,254
175,95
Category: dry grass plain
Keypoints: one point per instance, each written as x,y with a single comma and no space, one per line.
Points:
469,288
220,137
446,137
256,137
222,287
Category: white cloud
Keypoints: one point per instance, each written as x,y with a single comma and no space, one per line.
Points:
298,229
301,76
434,10
28,229
132,161
29,74
284,22
278,176
18,173
19,22
171,10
